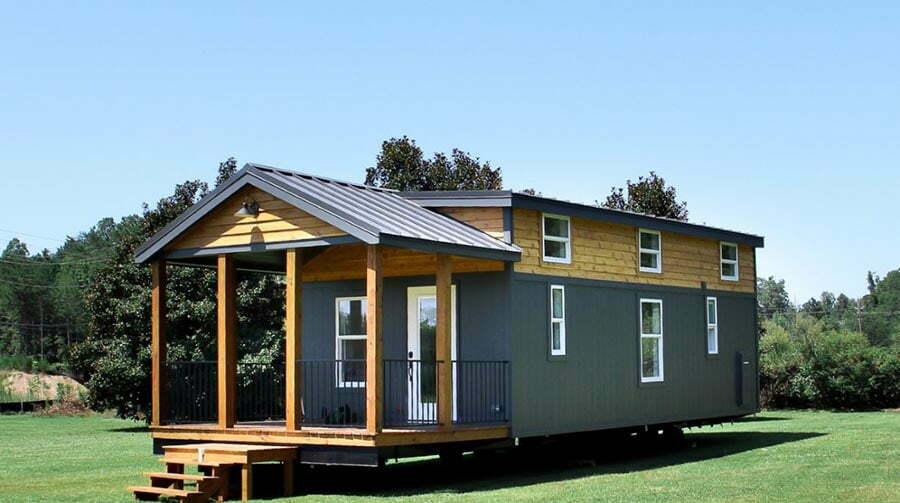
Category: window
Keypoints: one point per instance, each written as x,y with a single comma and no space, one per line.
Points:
650,251
651,340
350,342
557,242
729,260
712,325
557,320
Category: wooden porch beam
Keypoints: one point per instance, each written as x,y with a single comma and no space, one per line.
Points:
293,346
444,341
227,341
158,343
374,340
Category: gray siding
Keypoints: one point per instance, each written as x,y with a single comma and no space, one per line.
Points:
597,385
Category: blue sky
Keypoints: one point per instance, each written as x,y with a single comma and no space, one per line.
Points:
781,120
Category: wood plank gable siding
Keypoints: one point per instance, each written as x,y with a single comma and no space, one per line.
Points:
345,262
608,251
277,221
487,220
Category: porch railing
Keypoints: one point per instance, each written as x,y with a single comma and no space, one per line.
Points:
260,393
192,391
334,392
482,391
410,392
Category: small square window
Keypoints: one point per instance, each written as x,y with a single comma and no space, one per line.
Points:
728,254
557,242
649,251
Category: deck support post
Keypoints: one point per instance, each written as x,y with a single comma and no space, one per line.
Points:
444,340
227,341
374,340
158,396
293,346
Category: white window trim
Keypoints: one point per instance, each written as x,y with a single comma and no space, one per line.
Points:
561,321
723,261
338,377
659,336
567,241
714,326
658,253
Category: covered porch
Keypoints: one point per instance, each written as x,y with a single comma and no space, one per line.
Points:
302,228
370,401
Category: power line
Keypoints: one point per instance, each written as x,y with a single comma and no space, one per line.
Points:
39,263
32,285
20,233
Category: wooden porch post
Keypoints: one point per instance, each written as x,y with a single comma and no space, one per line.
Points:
374,340
444,341
158,343
227,341
293,346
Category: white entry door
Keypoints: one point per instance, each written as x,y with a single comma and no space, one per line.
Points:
421,311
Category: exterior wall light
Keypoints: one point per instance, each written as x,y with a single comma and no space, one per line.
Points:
248,209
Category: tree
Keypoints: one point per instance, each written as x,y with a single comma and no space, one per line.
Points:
115,355
881,320
401,165
650,196
772,297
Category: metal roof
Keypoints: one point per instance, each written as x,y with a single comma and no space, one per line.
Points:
506,198
370,215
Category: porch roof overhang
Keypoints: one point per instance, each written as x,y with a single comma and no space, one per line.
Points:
367,214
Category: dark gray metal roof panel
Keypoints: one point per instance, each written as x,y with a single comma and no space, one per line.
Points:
370,214
502,198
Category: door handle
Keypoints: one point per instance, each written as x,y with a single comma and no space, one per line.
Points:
747,363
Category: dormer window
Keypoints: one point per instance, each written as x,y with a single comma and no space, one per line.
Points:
557,241
649,251
728,253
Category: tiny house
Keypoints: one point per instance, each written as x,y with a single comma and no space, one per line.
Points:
437,322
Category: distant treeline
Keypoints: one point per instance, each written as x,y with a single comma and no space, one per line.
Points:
832,352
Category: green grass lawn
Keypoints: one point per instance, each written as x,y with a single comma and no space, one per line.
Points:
776,456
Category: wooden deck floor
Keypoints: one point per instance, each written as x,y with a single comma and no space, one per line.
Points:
274,432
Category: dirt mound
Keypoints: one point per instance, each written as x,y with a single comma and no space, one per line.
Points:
21,383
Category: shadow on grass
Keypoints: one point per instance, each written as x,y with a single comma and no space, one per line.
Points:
754,419
130,429
523,467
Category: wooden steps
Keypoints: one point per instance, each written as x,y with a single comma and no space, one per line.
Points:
171,484
215,460
175,476
150,493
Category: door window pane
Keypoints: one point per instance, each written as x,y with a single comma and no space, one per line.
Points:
428,348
